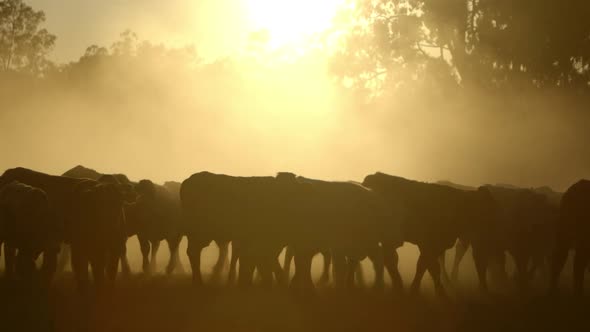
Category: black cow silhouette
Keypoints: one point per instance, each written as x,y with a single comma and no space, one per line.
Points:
350,221
28,226
81,172
572,232
98,234
435,216
326,254
263,214
59,190
526,220
90,212
126,186
251,212
154,217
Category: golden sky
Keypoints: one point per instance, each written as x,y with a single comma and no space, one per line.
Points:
279,115
216,27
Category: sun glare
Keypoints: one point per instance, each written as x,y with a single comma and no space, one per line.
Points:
290,22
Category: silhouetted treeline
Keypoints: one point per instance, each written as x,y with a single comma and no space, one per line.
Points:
468,43
394,43
505,84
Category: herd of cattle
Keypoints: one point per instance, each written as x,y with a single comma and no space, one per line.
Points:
94,214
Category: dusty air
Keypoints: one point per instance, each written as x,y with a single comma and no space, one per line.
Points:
270,165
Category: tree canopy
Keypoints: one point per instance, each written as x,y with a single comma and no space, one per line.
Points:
488,44
23,44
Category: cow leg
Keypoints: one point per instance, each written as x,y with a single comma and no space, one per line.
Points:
49,266
118,250
287,261
460,251
521,260
376,255
235,255
65,256
154,254
338,269
179,266
306,276
25,266
481,259
497,268
112,266
80,268
9,260
435,271
125,269
303,269
173,244
537,264
144,245
442,260
391,260
279,273
580,263
266,268
352,267
360,274
221,258
327,262
247,266
98,264
193,252
421,266
559,257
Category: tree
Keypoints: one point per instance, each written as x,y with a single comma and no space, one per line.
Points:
487,44
23,45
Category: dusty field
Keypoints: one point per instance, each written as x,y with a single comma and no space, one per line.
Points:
160,303
171,304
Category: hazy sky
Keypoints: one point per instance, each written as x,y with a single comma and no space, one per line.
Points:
289,117
214,26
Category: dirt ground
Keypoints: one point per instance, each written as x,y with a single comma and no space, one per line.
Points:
161,303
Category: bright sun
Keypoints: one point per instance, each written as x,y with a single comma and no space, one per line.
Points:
289,22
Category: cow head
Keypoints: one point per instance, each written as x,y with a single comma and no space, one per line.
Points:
126,188
102,200
140,215
146,189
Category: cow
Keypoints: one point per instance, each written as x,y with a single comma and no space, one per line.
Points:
572,231
524,216
252,212
435,216
28,226
91,212
81,172
154,217
349,220
327,256
223,245
98,233
59,191
126,186
544,239
525,223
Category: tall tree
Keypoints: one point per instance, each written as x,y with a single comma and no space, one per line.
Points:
23,45
484,43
